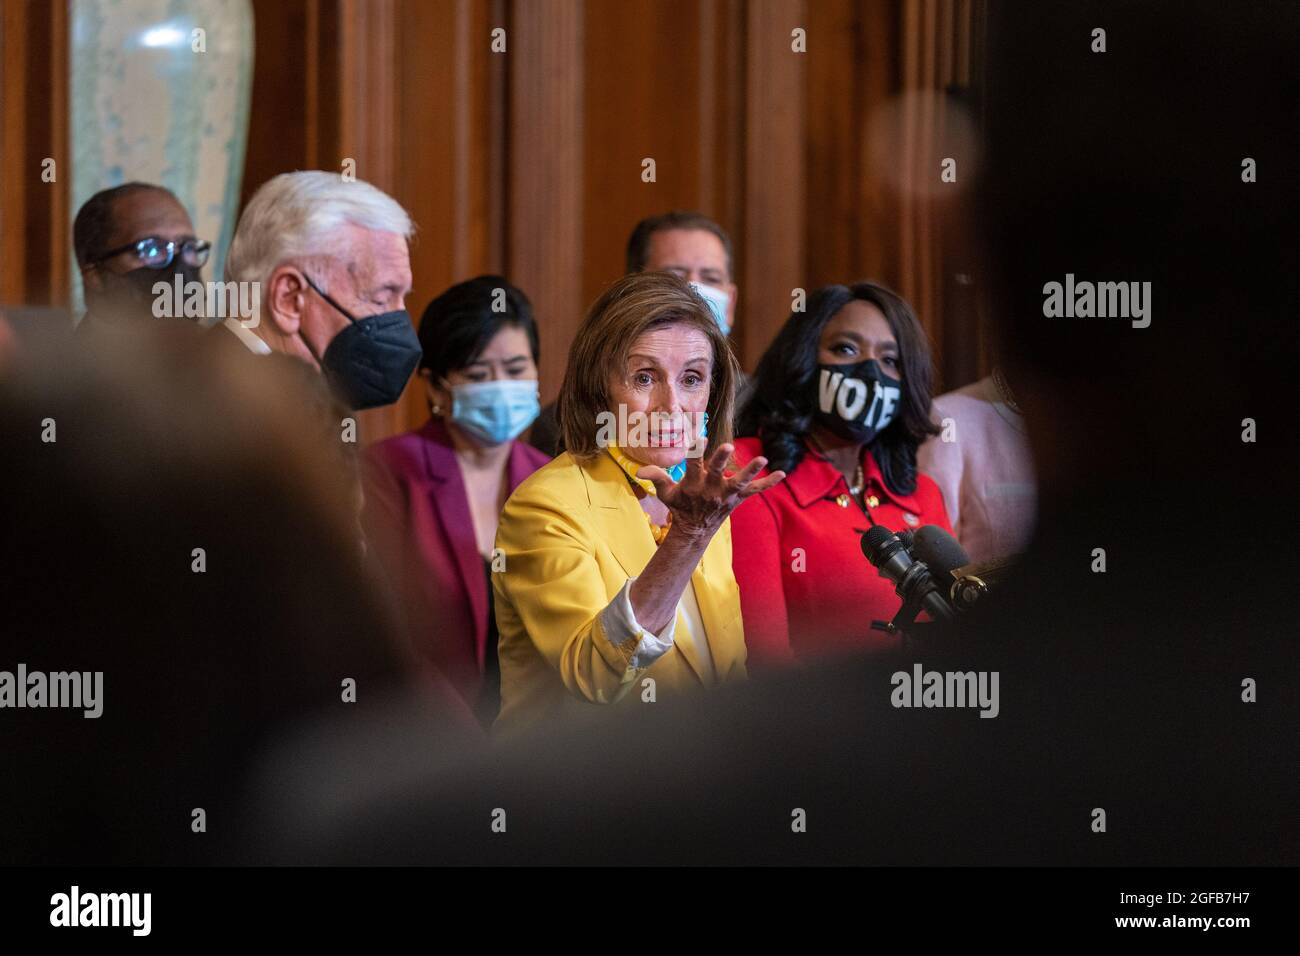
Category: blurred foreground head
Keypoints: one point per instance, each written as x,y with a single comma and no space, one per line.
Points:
182,519
1167,159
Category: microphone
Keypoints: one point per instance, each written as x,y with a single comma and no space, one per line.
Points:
939,550
966,583
912,579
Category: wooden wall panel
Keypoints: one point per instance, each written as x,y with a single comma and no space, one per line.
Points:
442,148
934,273
58,244
874,205
545,240
279,138
369,131
369,62
14,186
664,79
852,213
918,161
967,353
429,167
35,233
642,80
878,78
774,215
722,118
833,129
529,162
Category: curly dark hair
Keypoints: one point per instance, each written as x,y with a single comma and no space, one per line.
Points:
781,405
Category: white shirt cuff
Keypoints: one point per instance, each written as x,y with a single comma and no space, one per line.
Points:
621,625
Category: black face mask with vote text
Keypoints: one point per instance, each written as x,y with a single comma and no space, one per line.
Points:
856,402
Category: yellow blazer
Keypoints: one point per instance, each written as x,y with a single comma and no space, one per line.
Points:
571,535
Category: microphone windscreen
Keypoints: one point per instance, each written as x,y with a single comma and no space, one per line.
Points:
873,540
939,550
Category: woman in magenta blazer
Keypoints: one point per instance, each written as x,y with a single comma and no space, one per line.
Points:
840,403
433,496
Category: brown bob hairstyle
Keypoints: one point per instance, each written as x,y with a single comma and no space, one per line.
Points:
629,308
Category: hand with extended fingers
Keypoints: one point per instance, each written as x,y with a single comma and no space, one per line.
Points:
698,504
705,496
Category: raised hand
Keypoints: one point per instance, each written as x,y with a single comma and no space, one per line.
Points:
703,499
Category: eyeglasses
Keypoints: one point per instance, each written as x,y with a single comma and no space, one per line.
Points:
156,253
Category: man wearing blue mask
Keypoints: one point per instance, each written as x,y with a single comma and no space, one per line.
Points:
694,247
330,261
687,244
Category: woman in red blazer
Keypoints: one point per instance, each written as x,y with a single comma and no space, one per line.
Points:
840,403
433,496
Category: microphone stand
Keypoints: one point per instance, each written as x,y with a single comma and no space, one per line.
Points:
904,625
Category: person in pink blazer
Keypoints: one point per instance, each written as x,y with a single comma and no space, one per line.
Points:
434,495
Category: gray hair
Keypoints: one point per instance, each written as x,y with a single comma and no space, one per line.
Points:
297,216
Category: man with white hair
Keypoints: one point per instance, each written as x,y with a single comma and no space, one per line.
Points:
331,260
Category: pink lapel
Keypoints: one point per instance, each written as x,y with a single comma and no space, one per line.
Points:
447,491
452,505
524,460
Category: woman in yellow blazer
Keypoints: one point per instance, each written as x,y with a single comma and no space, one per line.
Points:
614,560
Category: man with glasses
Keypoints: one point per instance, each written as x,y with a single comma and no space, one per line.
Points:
127,239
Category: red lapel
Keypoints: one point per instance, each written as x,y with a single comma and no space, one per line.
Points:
816,478
450,501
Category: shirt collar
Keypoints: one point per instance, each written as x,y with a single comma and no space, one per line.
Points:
816,478
245,335
630,467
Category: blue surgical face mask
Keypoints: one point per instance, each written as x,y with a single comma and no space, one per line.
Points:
678,471
495,412
718,302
